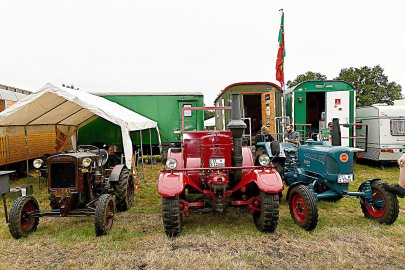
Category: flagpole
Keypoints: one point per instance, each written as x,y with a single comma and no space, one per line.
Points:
284,111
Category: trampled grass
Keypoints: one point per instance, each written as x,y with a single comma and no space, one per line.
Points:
343,238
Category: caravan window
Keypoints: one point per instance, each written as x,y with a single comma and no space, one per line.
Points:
398,127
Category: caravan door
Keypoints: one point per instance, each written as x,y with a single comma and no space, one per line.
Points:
338,106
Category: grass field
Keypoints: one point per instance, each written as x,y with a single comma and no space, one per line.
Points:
343,238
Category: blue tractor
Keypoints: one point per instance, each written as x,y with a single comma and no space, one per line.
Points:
315,171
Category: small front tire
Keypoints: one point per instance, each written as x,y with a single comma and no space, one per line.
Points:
22,221
303,208
104,215
172,218
266,219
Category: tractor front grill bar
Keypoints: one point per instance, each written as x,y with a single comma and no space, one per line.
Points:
218,169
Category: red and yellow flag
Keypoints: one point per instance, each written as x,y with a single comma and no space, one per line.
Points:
280,53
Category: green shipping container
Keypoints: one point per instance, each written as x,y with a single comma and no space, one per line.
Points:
313,104
164,108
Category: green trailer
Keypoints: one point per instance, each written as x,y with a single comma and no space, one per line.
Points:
313,104
261,105
163,107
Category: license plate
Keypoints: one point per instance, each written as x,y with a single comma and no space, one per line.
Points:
345,178
217,162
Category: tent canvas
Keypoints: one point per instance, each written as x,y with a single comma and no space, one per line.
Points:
53,107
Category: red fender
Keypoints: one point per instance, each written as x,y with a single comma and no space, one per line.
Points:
267,180
172,184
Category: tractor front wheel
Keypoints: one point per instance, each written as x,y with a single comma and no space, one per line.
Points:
124,191
384,207
303,208
172,218
22,220
104,216
266,219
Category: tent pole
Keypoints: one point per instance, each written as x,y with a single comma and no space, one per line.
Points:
26,148
150,145
143,172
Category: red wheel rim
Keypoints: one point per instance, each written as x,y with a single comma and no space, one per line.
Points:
27,222
375,210
298,207
109,215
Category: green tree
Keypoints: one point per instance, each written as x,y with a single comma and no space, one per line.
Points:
371,84
308,76
209,114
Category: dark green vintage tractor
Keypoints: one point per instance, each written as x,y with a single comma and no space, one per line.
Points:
315,171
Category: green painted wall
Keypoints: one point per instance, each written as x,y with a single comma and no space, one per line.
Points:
164,109
300,114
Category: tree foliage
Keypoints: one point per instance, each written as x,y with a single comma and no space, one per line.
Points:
209,114
308,76
371,84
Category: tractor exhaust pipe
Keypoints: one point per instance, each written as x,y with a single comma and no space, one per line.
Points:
336,134
237,126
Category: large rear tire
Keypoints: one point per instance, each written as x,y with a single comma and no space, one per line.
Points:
124,191
104,216
22,222
172,218
385,208
266,219
303,208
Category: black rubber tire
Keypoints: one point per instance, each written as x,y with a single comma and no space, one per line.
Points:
104,215
172,217
303,208
124,191
266,219
391,206
19,225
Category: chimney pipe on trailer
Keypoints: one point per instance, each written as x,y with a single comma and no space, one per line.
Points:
237,126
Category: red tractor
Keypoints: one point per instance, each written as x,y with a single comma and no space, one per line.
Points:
212,171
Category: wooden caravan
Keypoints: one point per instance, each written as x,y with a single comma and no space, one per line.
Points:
261,105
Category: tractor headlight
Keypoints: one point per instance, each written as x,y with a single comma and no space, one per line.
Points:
86,162
264,160
37,163
171,163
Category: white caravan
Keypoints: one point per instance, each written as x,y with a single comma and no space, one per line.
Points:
386,132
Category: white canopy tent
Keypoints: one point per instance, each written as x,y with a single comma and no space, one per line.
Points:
70,109
210,122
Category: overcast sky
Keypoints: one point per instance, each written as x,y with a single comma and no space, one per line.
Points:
192,45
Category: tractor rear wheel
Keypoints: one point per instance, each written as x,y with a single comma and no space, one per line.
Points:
124,191
104,216
303,208
266,219
172,218
22,222
385,208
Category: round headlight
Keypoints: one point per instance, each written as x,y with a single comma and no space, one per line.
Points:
171,163
37,163
264,160
86,162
